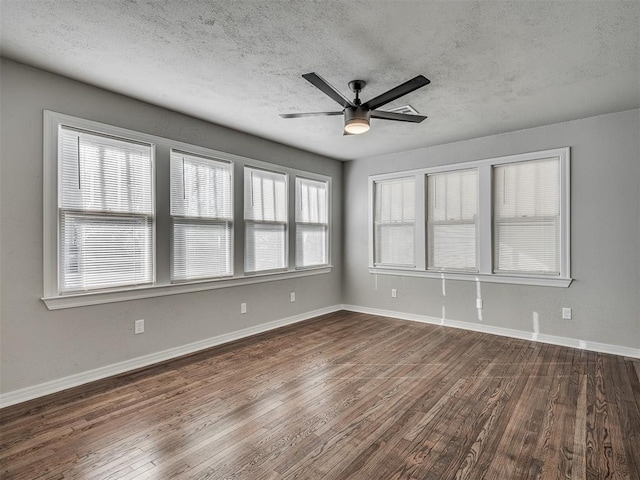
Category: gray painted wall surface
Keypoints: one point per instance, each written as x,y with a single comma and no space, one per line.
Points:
38,345
605,231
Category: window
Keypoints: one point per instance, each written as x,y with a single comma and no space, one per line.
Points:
130,215
202,213
503,220
526,218
394,221
106,212
312,222
452,201
266,220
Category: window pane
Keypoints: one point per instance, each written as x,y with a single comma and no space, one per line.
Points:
311,201
312,220
103,174
202,210
452,210
265,214
265,195
265,246
200,187
201,250
394,244
453,246
101,251
106,212
395,200
526,206
311,245
394,217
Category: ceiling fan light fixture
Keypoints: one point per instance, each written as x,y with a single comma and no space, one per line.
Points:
356,120
357,126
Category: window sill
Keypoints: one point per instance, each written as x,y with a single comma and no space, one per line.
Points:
97,298
476,277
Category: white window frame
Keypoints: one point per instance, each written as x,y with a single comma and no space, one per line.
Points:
54,299
205,220
390,223
286,223
485,223
445,222
326,180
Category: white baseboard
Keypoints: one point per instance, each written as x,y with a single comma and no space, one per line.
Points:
505,332
53,386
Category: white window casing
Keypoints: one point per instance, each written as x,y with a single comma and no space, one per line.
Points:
452,214
526,217
312,222
106,212
202,217
394,221
265,220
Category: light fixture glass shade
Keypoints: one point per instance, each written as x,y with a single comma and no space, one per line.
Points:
355,126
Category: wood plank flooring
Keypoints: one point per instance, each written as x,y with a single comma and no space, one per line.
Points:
344,396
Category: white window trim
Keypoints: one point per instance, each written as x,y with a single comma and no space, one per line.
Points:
416,253
54,300
232,221
287,227
485,224
320,178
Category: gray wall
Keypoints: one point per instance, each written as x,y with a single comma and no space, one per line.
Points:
605,231
38,345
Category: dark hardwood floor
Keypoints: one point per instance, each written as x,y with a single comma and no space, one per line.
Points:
344,396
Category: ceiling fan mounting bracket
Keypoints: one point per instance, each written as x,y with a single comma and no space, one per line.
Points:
357,86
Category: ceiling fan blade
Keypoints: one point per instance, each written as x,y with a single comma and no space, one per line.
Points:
397,92
400,117
327,89
309,114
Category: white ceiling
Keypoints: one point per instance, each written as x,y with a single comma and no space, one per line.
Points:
494,66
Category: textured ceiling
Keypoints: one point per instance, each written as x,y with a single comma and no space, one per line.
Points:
494,66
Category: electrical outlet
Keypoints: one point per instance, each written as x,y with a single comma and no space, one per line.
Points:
394,293
478,303
293,297
243,308
566,313
138,326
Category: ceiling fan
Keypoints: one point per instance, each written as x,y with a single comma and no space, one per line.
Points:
357,115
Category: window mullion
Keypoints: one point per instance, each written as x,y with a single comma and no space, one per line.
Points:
421,223
485,220
290,233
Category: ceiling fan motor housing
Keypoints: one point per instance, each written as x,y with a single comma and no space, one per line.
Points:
356,113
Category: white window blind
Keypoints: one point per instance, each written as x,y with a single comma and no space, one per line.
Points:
452,212
265,215
202,217
312,222
106,209
526,205
394,221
